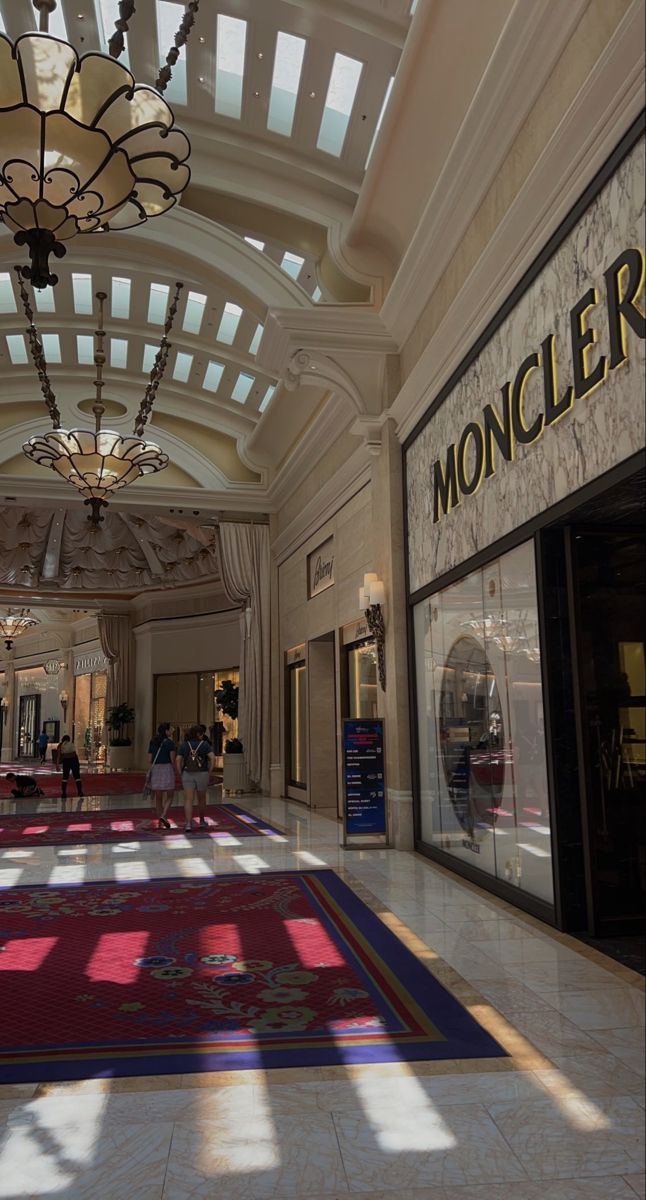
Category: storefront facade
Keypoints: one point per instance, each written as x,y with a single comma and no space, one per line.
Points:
533,445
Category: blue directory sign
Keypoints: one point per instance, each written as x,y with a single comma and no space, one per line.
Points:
363,777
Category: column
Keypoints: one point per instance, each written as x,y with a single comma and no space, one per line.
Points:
276,760
389,563
8,732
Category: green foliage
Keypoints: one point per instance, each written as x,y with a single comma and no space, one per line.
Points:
226,698
118,718
233,746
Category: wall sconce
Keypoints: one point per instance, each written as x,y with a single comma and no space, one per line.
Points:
64,699
372,598
4,705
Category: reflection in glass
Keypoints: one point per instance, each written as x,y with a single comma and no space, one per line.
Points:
483,776
297,725
362,680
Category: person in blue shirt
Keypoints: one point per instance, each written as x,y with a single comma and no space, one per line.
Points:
196,760
162,775
43,742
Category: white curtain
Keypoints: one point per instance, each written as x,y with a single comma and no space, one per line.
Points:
245,566
114,636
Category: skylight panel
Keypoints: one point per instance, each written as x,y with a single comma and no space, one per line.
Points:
317,295
82,289
339,102
2,28
169,16
44,298
120,304
229,323
381,117
288,66
244,384
256,339
85,349
51,346
183,365
150,354
292,264
254,242
213,376
229,65
7,297
17,349
194,312
266,400
413,7
119,352
107,13
57,26
158,303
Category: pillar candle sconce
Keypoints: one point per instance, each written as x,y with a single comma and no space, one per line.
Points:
372,598
4,705
64,699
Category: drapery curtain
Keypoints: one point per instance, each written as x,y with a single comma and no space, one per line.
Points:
245,566
114,636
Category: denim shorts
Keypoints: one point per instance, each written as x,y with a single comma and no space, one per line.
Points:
195,781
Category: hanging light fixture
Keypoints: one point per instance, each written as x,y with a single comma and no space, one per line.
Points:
97,462
83,148
14,623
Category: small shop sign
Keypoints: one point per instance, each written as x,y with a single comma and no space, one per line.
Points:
320,568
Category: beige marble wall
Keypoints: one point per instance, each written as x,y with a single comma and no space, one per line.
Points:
573,68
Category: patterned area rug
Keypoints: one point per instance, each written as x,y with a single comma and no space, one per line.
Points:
94,784
224,821
168,976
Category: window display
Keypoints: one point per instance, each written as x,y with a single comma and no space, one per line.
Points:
362,680
483,778
297,676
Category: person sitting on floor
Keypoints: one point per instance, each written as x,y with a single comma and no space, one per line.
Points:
25,785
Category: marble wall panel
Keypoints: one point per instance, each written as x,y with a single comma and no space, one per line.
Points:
601,430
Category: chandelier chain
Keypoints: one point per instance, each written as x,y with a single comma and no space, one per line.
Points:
38,354
98,407
159,366
117,42
181,37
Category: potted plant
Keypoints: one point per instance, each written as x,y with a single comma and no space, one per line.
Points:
119,718
233,770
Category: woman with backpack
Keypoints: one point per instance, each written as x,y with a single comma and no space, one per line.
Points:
161,779
195,760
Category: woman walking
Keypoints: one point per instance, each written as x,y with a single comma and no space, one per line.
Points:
162,753
195,759
69,760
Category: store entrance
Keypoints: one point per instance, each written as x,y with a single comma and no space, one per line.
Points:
28,725
608,565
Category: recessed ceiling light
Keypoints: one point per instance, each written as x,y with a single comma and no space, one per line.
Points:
201,78
312,95
201,40
261,54
256,94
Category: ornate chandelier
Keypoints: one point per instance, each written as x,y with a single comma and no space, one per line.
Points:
14,623
97,462
83,148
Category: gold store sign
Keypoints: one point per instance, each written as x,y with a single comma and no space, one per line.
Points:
500,429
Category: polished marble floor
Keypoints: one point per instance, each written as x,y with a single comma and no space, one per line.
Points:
561,1119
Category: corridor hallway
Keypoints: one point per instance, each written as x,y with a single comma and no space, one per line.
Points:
561,1118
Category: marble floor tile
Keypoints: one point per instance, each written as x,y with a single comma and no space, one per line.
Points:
457,1144
258,1159
509,996
553,1034
628,1045
591,1075
574,1138
610,1188
638,1184
561,974
612,1008
83,1161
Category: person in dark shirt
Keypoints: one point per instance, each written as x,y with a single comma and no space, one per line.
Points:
24,785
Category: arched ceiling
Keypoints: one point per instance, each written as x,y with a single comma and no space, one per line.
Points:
276,171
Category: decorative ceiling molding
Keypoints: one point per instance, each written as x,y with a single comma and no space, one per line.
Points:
605,107
532,41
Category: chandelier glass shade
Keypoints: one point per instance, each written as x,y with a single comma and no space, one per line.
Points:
83,148
97,464
16,621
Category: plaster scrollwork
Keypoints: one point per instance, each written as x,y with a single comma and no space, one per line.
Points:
322,371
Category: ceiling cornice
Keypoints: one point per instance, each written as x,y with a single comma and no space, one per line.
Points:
603,110
530,45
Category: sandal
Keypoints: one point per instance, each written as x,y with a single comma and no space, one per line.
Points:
164,823
188,828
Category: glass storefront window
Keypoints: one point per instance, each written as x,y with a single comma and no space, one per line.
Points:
90,692
297,676
483,777
362,680
37,701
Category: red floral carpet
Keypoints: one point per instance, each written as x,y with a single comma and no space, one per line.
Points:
118,784
168,976
88,826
